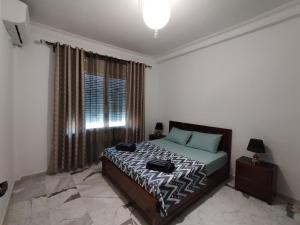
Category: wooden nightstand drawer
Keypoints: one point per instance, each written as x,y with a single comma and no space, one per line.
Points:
258,180
255,174
252,188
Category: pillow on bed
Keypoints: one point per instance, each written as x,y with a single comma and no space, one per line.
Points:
205,141
179,136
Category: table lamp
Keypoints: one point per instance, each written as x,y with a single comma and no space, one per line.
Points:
256,146
159,128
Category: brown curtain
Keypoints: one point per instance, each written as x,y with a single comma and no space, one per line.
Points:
135,124
74,144
68,150
107,136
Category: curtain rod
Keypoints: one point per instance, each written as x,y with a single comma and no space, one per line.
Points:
41,41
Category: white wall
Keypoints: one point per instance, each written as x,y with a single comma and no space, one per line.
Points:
250,84
6,149
33,93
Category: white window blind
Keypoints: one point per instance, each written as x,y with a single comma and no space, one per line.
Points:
117,102
95,101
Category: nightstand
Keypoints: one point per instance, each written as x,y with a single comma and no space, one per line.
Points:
155,136
258,180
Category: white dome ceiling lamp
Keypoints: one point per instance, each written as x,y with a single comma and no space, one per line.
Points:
156,14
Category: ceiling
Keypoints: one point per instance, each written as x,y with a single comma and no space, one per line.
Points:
120,23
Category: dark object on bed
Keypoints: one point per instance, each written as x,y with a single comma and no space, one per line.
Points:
126,147
145,202
165,166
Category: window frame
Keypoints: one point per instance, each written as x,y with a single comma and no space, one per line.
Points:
121,124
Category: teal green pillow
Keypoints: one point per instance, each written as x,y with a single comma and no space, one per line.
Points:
179,136
205,141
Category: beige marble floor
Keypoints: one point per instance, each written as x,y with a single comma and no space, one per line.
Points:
86,198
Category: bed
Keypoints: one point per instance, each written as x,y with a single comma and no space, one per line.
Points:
217,170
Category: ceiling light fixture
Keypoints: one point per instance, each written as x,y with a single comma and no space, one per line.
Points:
156,14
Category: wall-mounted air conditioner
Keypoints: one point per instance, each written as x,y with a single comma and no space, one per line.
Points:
16,20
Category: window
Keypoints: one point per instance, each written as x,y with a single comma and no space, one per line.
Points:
95,102
117,102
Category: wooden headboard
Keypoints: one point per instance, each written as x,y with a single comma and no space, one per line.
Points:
225,144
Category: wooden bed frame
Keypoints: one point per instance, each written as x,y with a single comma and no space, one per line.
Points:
145,202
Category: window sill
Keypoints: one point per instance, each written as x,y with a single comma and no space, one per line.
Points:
102,128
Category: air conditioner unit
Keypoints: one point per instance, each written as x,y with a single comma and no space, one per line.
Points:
16,20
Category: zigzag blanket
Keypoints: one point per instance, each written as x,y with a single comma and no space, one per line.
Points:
170,189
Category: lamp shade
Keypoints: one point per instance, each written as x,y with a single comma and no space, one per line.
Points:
256,145
159,126
156,13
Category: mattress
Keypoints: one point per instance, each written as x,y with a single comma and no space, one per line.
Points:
169,188
213,161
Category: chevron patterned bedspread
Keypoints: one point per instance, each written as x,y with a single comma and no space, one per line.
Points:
170,189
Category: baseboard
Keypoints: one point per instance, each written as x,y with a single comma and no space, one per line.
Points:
288,198
32,176
280,195
7,199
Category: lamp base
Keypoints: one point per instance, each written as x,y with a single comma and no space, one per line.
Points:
255,159
157,132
